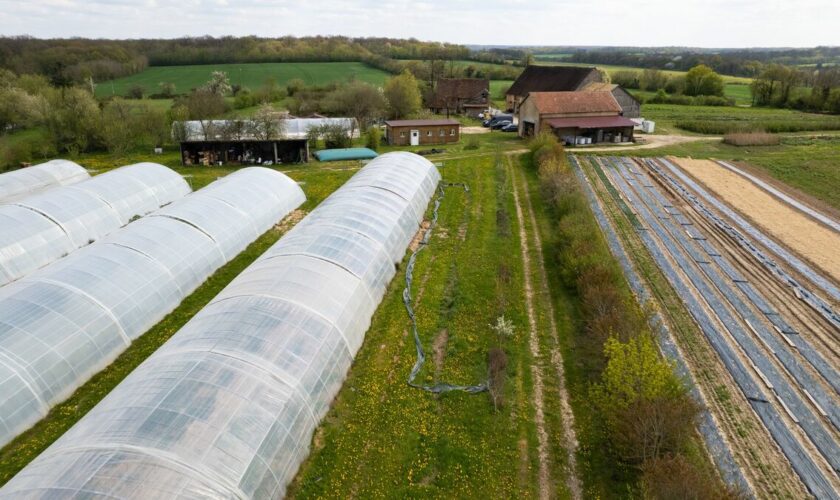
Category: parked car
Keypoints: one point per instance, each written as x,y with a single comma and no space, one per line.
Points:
496,119
511,127
498,125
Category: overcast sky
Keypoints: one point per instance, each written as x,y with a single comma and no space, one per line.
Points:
701,23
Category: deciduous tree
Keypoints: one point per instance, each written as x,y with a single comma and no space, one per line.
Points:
403,95
646,408
702,80
218,84
358,100
205,106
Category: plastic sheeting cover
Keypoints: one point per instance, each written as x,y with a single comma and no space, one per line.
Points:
45,227
26,181
228,406
64,323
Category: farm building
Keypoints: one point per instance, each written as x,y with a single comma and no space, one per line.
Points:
592,115
630,106
468,96
94,302
30,180
227,408
549,79
422,132
245,142
43,228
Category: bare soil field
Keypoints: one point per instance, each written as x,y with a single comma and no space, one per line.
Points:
789,226
812,201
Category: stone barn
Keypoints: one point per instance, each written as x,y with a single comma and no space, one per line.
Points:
630,106
595,116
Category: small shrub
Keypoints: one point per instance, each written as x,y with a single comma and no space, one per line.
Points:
504,328
751,139
373,137
496,368
136,92
674,476
472,143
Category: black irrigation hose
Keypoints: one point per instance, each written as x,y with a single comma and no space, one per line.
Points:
438,388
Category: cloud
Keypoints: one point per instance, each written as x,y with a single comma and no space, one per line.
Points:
707,23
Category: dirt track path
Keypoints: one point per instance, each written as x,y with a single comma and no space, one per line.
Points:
543,453
556,361
652,142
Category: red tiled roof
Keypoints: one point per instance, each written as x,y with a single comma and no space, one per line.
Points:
591,122
420,123
574,102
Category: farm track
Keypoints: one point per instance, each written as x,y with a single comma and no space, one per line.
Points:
570,441
764,466
543,453
721,305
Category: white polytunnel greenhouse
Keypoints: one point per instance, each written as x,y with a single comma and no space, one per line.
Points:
227,407
62,324
30,180
45,227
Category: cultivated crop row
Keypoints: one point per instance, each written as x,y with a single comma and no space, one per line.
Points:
796,401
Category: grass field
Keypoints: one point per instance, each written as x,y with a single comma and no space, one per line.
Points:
248,75
667,116
738,91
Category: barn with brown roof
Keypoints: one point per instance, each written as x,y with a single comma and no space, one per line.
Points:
460,96
595,116
549,79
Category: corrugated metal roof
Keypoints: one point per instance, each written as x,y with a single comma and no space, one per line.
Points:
607,87
420,123
599,87
219,130
591,122
574,102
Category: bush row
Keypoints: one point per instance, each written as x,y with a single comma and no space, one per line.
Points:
721,127
644,419
662,97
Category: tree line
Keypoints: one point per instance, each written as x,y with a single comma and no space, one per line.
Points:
70,120
735,62
812,89
75,61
